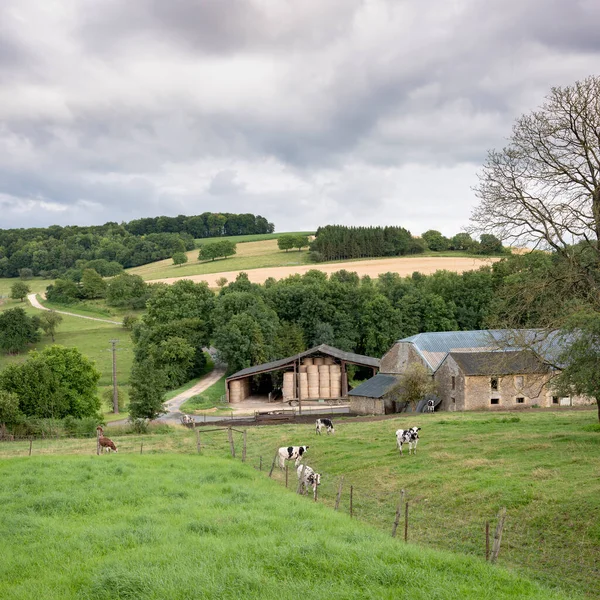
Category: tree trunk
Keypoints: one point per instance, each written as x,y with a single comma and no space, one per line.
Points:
598,403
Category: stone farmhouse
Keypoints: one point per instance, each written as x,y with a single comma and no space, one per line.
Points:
473,370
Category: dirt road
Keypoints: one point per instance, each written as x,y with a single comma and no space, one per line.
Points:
403,266
36,304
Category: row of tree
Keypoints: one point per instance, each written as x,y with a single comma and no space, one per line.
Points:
203,226
289,240
337,242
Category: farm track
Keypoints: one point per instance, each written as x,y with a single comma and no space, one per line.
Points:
373,268
36,304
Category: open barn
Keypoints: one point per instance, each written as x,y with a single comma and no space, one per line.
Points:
317,374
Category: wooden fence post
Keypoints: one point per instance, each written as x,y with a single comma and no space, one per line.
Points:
260,464
351,496
316,494
98,445
286,474
198,446
301,480
31,444
487,540
244,447
406,522
231,444
339,494
397,519
498,535
273,463
142,448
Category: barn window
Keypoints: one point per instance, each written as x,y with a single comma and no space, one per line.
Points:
520,400
554,399
519,381
453,382
495,401
494,383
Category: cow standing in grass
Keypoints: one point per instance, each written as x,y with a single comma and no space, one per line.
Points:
408,436
310,478
327,423
295,453
104,442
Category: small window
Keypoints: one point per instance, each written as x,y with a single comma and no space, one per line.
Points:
453,400
519,381
520,400
495,401
453,382
554,399
494,383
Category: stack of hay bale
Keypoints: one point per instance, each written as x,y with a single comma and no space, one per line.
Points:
335,380
303,378
289,385
320,377
239,390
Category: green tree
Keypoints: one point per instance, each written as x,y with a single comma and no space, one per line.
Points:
17,330
147,387
19,290
579,361
63,291
54,383
129,321
300,241
463,242
222,282
490,244
107,398
435,240
175,357
126,290
49,321
221,249
413,385
92,285
180,258
289,340
10,413
286,242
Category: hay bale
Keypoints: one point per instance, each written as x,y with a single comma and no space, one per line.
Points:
318,360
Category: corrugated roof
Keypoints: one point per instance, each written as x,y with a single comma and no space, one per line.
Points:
499,363
435,346
324,349
376,387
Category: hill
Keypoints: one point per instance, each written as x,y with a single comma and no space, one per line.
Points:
150,527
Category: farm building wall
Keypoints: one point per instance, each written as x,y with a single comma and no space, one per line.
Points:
361,405
398,357
451,391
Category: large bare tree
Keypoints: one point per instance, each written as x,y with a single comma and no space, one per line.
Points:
543,189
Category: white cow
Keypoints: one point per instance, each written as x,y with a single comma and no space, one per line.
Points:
310,478
291,453
408,436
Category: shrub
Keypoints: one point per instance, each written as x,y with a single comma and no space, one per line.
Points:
129,321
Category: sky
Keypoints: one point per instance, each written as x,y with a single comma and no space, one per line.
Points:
355,112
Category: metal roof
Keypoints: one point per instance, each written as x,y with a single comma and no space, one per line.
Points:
376,387
323,349
499,363
434,347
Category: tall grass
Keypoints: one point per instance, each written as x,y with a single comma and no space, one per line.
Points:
171,527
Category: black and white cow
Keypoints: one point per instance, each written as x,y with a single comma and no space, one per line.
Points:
408,436
291,453
327,423
310,478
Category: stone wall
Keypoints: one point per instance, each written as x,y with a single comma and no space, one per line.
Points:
398,357
361,405
453,397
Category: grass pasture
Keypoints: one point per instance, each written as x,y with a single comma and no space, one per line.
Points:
544,467
172,527
250,255
252,237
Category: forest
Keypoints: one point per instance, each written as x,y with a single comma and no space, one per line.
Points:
337,242
51,251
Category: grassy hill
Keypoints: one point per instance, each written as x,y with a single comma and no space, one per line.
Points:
166,527
542,466
250,255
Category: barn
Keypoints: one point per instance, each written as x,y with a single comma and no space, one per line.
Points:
320,373
473,370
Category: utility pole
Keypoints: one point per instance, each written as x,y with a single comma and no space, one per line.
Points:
114,377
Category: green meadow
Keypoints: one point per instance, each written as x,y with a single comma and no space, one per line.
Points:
543,467
172,527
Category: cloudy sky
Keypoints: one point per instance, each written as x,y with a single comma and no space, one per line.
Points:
311,112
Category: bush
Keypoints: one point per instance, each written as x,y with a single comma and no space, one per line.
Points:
81,427
316,256
129,321
139,425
